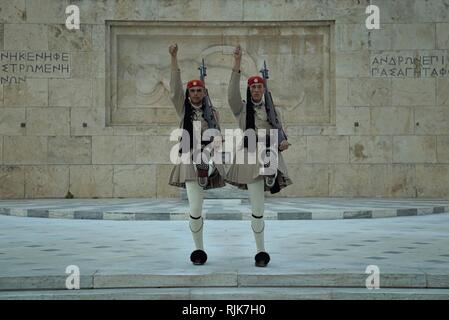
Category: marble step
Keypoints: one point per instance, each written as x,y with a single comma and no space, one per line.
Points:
317,278
225,293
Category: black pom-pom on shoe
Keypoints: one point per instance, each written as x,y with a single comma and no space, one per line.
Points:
198,257
262,259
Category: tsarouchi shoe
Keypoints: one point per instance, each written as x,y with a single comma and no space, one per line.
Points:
262,259
198,257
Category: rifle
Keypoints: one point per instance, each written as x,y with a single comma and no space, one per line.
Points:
203,167
208,114
269,107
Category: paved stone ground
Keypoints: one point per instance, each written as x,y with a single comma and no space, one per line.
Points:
222,209
150,259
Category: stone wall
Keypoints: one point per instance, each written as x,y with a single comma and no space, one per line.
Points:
367,126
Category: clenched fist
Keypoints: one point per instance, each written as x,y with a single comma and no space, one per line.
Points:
238,53
173,49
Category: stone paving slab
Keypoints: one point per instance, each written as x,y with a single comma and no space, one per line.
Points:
40,282
338,279
222,209
213,279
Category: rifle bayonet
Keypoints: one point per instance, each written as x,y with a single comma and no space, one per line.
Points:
202,69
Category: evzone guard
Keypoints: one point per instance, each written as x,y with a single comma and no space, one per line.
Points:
257,112
193,106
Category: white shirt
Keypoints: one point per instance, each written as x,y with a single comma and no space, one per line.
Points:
197,114
260,116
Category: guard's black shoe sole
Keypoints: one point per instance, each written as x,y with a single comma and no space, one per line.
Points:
198,257
262,259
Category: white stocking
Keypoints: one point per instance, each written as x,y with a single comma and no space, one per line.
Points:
257,199
196,196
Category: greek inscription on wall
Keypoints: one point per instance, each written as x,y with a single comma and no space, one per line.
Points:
17,66
424,64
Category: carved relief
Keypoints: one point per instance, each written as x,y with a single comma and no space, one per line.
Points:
298,57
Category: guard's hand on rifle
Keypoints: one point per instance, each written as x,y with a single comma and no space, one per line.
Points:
284,145
173,49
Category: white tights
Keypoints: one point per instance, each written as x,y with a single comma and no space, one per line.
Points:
195,195
257,199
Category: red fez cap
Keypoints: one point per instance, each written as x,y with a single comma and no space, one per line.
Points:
195,83
255,79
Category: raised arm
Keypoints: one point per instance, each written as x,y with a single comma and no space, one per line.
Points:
176,92
234,96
